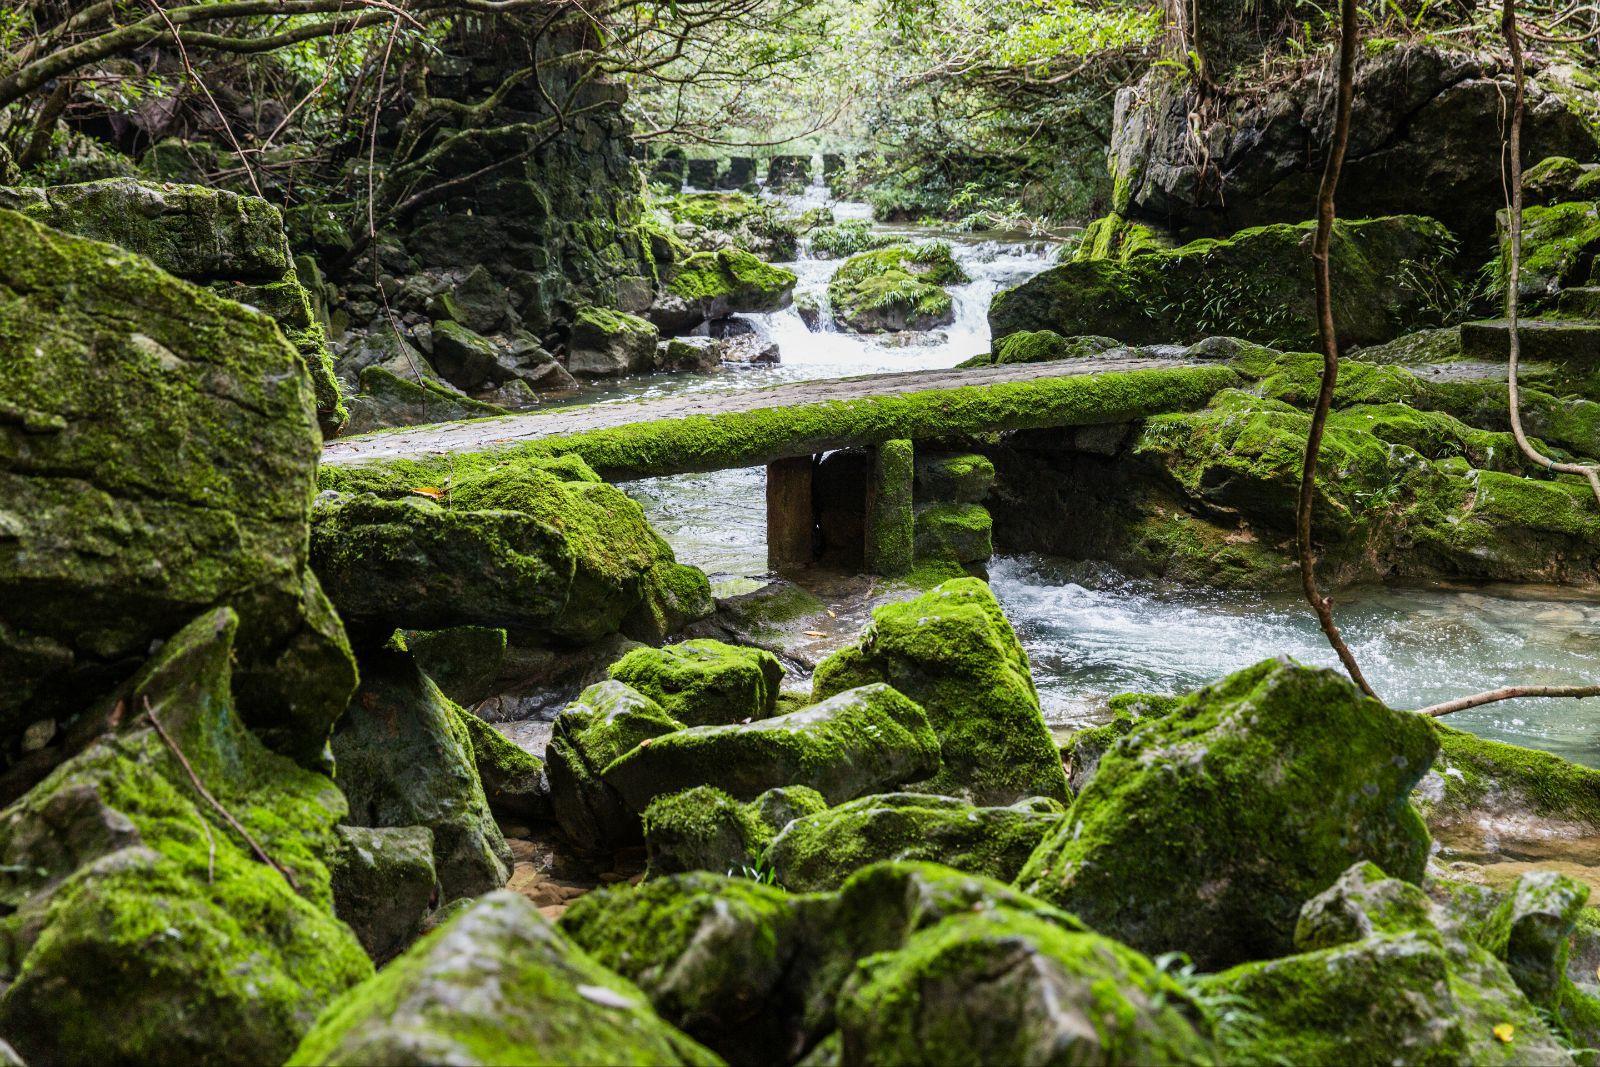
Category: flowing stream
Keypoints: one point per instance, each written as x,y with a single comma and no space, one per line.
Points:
1091,633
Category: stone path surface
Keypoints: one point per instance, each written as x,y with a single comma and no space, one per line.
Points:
480,435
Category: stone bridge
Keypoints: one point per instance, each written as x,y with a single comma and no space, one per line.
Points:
788,427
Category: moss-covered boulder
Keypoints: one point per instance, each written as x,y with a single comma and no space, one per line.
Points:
387,399
703,682
710,221
138,924
606,343
1255,284
822,850
538,546
953,651
405,758
156,459
1381,977
1558,180
605,723
954,533
756,973
1560,244
1007,987
1205,830
704,829
465,662
713,285
953,477
233,244
900,287
497,984
512,777
384,884
859,741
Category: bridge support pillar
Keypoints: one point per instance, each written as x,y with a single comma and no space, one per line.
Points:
790,520
890,525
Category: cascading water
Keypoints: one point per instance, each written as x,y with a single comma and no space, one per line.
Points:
1091,634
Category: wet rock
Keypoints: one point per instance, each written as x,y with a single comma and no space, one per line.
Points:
1560,179
128,896
151,473
1205,830
704,829
513,778
952,477
464,661
606,722
712,221
749,349
538,546
956,533
477,302
405,758
900,287
714,285
821,850
1255,284
953,651
384,885
857,742
704,682
691,354
234,244
467,359
387,399
1380,977
1007,987
497,984
607,343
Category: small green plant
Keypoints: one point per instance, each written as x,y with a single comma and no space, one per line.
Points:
759,873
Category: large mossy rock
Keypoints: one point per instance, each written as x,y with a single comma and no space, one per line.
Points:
513,778
496,985
896,288
605,723
606,343
704,682
1560,246
953,651
1381,977
1204,830
704,829
157,451
405,758
1007,987
714,285
822,850
138,924
764,976
860,741
712,221
1254,284
1425,138
384,884
235,245
538,546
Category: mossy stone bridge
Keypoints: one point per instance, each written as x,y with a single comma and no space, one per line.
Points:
787,428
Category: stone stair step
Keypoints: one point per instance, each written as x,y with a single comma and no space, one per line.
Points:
1561,340
1581,302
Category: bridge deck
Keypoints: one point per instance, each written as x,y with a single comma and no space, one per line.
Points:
716,430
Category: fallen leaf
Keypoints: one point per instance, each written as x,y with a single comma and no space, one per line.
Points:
645,743
832,614
1505,1031
815,633
599,994
432,491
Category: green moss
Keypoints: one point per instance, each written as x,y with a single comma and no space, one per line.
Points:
733,276
895,288
1114,237
854,743
822,850
1477,772
890,522
1559,246
497,985
463,661
1204,829
960,533
953,651
1047,346
1254,284
1075,997
510,773
745,438
704,829
128,895
953,477
704,682
749,222
606,721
